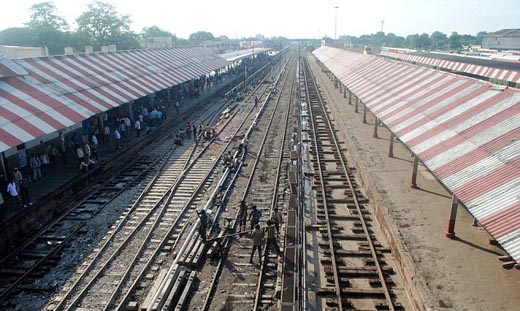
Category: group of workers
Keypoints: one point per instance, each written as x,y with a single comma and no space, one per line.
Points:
272,230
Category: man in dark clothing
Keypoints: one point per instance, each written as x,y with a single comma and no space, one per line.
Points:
24,188
242,215
203,224
258,238
254,216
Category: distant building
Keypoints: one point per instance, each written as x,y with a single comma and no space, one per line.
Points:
159,42
248,44
217,47
14,52
326,41
505,39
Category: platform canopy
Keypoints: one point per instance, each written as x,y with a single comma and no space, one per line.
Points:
465,131
241,54
459,66
42,95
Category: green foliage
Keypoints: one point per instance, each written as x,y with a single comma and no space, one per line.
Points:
201,36
17,36
105,26
155,31
454,41
436,41
44,16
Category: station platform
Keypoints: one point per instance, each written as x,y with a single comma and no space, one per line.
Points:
61,174
463,273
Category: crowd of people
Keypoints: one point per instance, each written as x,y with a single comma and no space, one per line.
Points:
81,148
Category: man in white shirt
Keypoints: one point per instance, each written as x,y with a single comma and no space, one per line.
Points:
11,189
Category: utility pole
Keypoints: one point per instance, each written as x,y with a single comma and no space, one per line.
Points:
336,24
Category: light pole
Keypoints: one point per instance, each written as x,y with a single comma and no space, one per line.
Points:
336,24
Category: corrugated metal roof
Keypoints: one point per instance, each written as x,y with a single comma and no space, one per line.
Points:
484,71
8,68
466,131
60,91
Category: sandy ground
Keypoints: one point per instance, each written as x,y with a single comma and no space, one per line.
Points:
452,274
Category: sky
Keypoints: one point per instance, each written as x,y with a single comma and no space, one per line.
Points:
293,18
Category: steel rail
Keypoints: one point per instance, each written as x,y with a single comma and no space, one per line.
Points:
227,242
309,84
274,199
174,265
355,199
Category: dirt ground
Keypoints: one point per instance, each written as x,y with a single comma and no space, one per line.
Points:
451,274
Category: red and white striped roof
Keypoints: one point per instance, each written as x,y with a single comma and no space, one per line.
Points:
483,71
466,131
39,96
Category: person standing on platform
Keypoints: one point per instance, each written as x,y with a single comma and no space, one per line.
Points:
117,137
106,134
17,176
53,154
195,133
137,126
258,238
11,189
63,150
94,148
256,100
25,193
80,154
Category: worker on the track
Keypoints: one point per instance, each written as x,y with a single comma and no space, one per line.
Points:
271,239
242,215
254,216
203,224
258,239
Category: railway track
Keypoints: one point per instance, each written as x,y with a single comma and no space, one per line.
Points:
251,286
349,267
144,238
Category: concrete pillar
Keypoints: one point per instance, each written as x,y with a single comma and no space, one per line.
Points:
391,147
101,123
4,168
365,114
130,110
349,98
414,171
376,121
453,216
344,91
356,110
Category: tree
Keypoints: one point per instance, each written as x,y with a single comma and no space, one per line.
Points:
44,15
411,41
155,31
17,36
438,40
454,41
104,25
48,28
201,36
394,41
423,41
